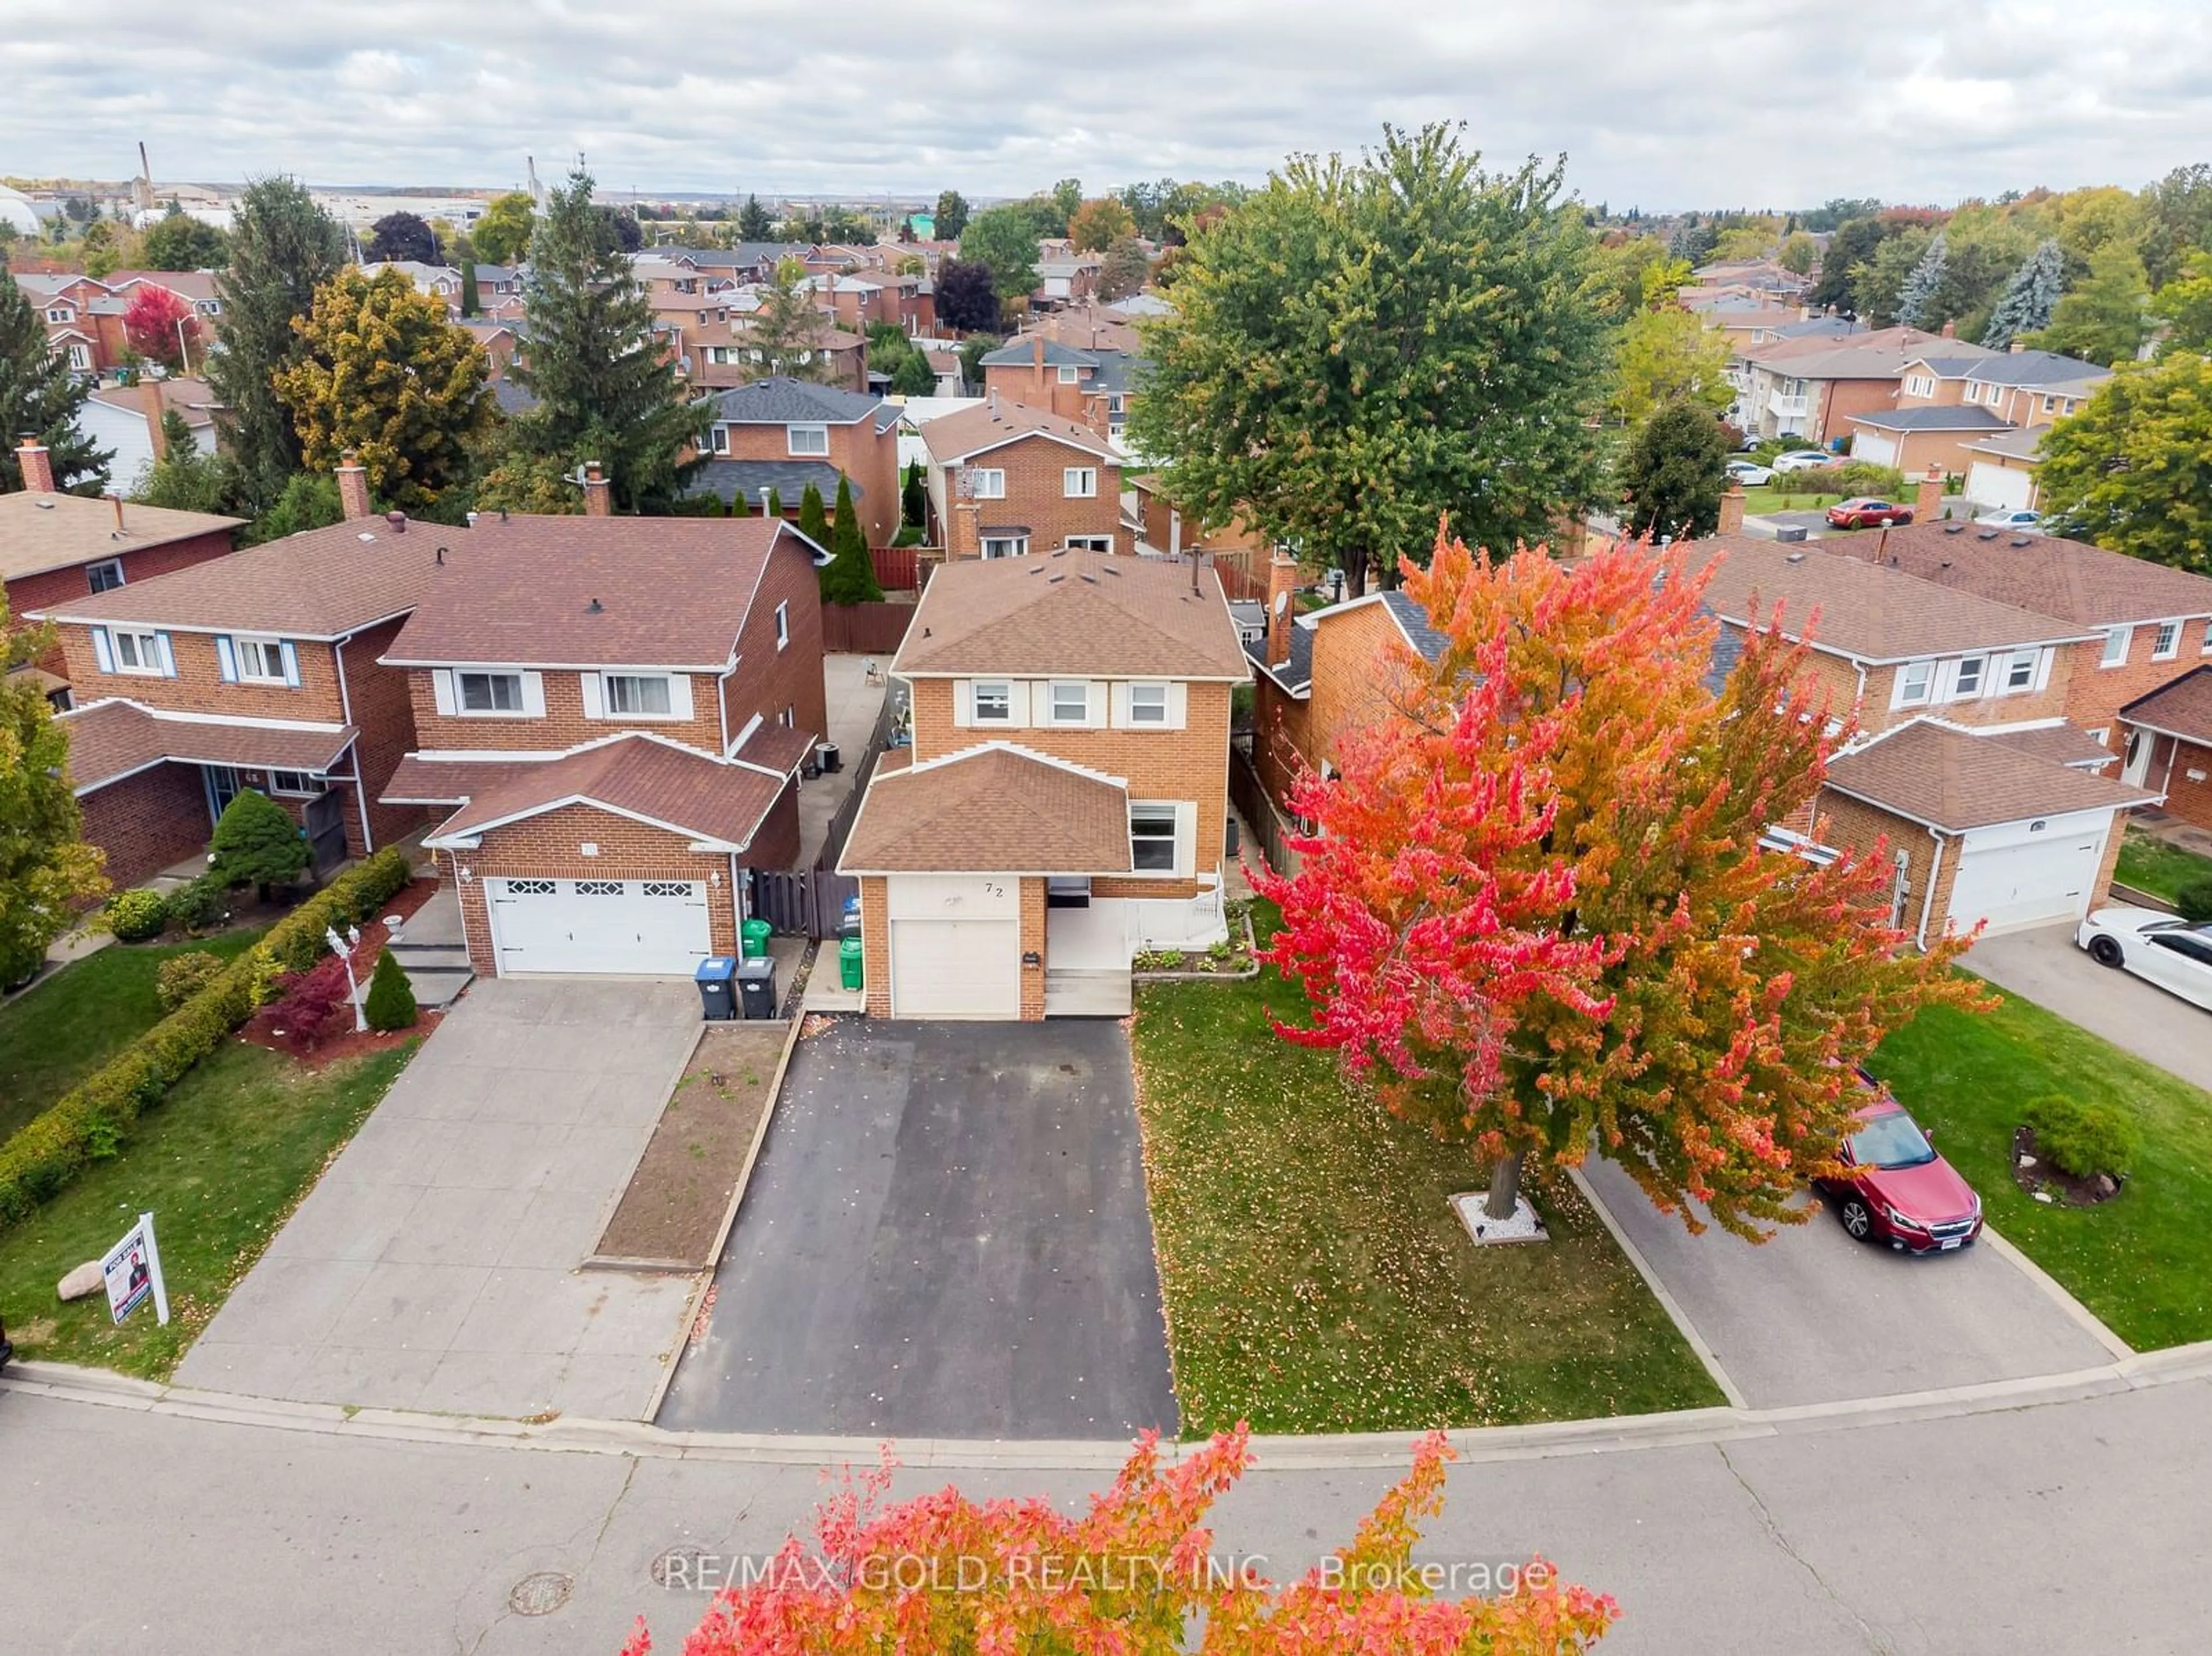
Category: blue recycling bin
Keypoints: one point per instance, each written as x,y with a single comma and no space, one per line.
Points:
717,981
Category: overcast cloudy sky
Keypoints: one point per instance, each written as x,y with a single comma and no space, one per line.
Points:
1662,103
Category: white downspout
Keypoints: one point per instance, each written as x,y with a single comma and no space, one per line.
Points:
1928,897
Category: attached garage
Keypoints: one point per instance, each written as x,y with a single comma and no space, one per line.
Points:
2000,489
1875,447
956,946
2029,873
631,928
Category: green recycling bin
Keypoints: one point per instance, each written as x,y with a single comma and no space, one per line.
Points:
849,962
753,933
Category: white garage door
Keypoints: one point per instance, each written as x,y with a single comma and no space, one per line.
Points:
2017,876
640,928
1999,489
1873,447
956,946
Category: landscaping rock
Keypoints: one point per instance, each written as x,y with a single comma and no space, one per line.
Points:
2044,1196
2027,1160
2106,1186
81,1284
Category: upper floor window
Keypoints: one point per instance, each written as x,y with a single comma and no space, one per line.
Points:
986,483
1090,543
1069,701
1919,384
1915,681
138,652
1080,483
2167,645
2050,405
106,575
645,695
1006,546
1067,376
1148,704
2117,639
489,692
993,702
260,660
1966,680
721,439
61,313
2019,671
807,440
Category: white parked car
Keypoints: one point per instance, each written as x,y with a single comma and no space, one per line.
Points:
2175,954
1749,473
1803,460
2026,523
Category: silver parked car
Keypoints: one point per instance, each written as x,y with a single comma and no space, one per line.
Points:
2175,954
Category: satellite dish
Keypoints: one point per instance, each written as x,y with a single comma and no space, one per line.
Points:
1282,601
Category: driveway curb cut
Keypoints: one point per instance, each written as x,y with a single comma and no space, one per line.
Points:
2057,1293
2180,1365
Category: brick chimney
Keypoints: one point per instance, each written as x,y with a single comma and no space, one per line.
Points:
1949,330
38,466
1282,606
1929,500
353,486
599,501
1732,508
2016,347
149,394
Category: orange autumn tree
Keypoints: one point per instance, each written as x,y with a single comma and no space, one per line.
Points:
945,1575
1639,971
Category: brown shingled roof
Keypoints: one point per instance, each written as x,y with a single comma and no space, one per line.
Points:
2071,580
1001,420
1949,779
39,532
322,584
1855,607
2182,708
594,591
994,809
1076,613
109,740
663,783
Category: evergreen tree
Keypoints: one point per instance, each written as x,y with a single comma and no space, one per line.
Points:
2107,318
465,255
913,376
283,247
813,520
256,842
185,478
389,1002
913,497
775,503
602,378
40,397
1675,471
850,576
788,330
951,215
1915,302
754,223
2028,299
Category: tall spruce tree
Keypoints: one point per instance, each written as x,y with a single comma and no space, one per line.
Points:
754,223
464,255
40,397
1915,302
850,576
602,380
2029,297
813,520
283,247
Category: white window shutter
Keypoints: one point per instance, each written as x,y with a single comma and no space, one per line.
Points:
533,694
1178,705
168,655
442,689
1020,698
594,688
1186,837
1118,705
964,703
1094,700
103,652
291,653
225,658
679,695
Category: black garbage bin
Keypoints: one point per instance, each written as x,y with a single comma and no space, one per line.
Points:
826,755
756,987
716,978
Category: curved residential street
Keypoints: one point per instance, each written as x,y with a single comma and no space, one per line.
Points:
2053,1515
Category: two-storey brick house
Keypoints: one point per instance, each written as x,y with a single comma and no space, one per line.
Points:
257,670
780,434
1006,480
1063,802
611,714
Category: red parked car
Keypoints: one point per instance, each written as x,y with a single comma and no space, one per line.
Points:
1865,512
1896,1189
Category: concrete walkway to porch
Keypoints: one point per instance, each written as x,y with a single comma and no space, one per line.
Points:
854,704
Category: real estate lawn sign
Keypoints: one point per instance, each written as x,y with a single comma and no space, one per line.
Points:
132,1271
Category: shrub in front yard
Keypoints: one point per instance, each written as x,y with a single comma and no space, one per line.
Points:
201,905
182,978
257,843
309,1005
137,916
2195,901
2083,1139
391,1002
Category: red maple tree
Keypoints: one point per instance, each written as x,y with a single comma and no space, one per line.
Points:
1535,910
161,327
943,1573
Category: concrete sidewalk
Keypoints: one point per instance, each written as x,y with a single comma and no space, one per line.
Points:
435,1265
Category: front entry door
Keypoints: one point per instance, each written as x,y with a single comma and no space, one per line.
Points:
222,786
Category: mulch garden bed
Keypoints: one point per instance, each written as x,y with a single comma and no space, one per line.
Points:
2047,1181
1178,965
670,1216
350,1043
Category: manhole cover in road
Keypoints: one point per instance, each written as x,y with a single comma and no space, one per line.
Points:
542,1594
678,1568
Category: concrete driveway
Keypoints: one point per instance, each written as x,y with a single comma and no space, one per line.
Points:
945,1235
1811,1316
433,1267
2044,967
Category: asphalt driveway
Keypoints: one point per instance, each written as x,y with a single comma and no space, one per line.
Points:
434,1265
945,1235
2043,966
1810,1316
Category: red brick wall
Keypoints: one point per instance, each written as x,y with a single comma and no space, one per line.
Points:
1033,936
2170,765
198,687
147,822
383,709
563,725
768,679
2096,693
875,945
1035,495
546,847
52,588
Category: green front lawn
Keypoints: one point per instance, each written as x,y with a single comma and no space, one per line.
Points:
73,1022
1314,1279
1757,502
2141,1262
2149,863
220,1164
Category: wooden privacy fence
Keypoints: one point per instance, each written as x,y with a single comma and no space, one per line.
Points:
898,568
869,629
809,902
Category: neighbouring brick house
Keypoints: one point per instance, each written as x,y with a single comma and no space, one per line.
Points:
2171,730
1064,804
1810,386
781,435
1951,403
56,548
611,714
1240,552
1006,480
83,315
258,670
